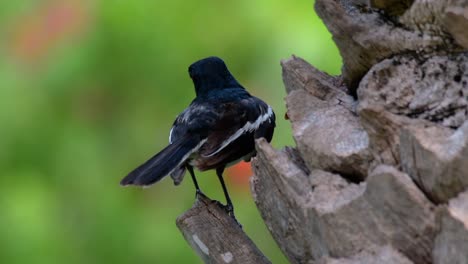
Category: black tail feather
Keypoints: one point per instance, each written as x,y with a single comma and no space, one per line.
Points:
162,163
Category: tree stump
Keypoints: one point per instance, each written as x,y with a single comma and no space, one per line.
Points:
379,173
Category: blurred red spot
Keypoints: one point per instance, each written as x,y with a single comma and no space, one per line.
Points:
239,174
34,34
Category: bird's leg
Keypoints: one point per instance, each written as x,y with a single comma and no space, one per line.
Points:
197,188
229,206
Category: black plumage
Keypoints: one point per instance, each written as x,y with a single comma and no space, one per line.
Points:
218,129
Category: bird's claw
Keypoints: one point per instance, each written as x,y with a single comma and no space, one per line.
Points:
230,211
198,193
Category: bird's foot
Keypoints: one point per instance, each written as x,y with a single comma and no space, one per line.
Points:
230,211
199,193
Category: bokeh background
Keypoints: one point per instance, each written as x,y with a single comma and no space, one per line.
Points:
89,90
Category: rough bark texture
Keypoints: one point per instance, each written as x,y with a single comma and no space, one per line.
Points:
343,145
451,245
379,173
216,236
318,214
380,255
437,160
419,89
365,36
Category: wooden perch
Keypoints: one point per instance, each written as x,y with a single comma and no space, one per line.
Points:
216,236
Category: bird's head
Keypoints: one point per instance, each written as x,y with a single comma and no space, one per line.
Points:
211,73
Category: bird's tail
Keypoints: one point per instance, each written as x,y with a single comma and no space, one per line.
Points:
162,163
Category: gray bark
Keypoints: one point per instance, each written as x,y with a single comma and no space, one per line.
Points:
216,236
318,214
380,255
451,244
436,158
381,149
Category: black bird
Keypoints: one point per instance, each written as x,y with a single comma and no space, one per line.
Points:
218,129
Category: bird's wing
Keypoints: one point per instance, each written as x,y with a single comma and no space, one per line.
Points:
198,119
236,119
221,123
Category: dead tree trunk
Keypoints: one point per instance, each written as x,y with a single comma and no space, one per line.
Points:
379,173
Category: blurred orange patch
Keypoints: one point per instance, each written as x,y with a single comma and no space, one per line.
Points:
239,174
36,33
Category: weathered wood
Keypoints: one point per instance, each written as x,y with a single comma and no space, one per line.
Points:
365,36
434,89
298,74
279,187
436,158
392,7
318,214
402,213
216,236
426,17
456,21
380,255
384,129
451,244
325,127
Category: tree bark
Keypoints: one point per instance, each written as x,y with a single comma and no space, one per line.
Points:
379,173
379,167
216,236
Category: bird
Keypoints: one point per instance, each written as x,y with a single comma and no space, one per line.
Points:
217,130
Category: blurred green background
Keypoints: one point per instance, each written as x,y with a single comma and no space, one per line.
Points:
89,90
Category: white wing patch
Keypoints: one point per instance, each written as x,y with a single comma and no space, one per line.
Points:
248,127
170,135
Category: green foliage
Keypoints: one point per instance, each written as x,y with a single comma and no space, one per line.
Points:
100,99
